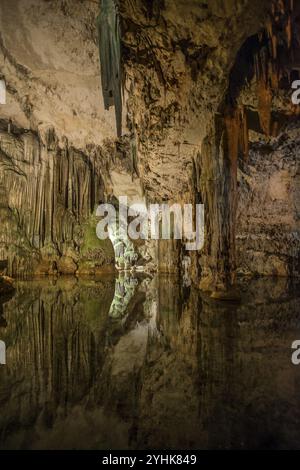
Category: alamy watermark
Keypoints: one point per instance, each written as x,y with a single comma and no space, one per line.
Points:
157,221
296,93
2,353
296,353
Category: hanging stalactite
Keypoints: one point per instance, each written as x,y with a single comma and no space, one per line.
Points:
110,58
275,60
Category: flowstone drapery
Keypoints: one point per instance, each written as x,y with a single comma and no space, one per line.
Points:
110,58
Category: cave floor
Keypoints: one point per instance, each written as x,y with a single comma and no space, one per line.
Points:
149,363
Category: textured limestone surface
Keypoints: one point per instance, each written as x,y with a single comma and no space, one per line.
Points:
198,77
268,217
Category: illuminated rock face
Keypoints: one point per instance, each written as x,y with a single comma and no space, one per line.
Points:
199,79
207,88
48,194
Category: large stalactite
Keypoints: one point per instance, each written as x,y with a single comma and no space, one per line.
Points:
110,58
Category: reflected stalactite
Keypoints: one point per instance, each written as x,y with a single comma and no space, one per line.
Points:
276,59
182,371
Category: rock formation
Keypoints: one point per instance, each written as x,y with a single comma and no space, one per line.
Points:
207,118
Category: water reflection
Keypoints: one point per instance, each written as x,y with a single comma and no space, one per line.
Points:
148,363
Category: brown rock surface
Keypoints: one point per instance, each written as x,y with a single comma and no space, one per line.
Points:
197,76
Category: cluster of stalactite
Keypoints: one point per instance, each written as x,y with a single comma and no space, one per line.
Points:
268,59
46,192
109,33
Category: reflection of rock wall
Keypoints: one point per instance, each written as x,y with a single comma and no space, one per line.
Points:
176,371
220,376
168,254
55,339
168,404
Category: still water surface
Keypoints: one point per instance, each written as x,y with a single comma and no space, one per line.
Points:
148,363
